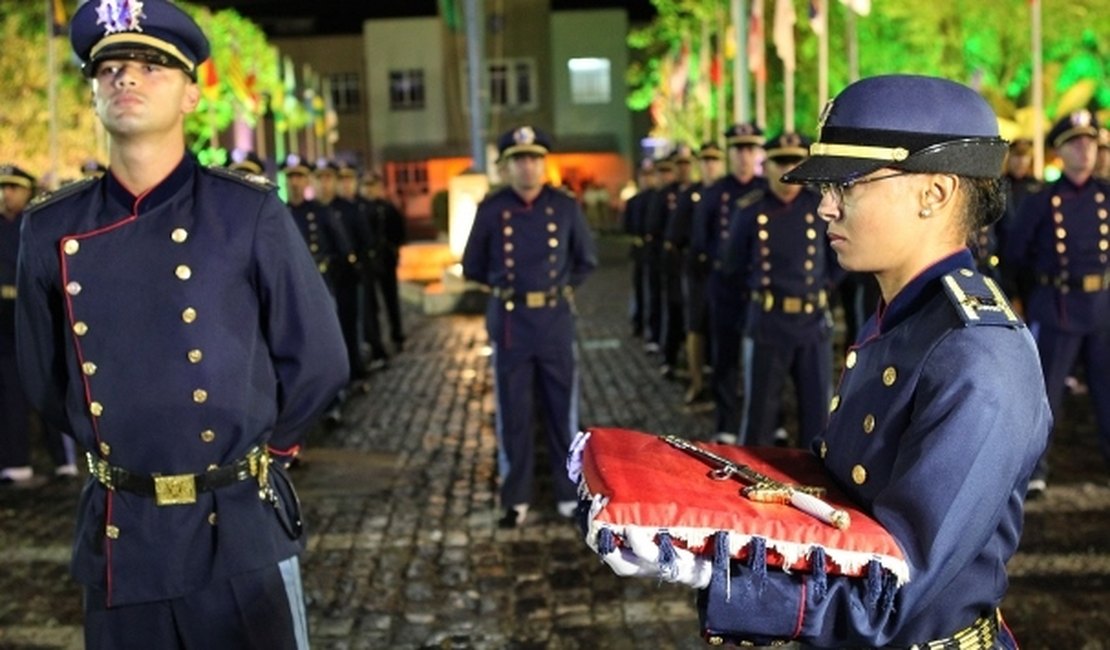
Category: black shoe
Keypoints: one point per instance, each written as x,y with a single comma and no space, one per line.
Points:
1036,489
509,520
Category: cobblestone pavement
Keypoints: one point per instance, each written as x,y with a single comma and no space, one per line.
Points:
404,552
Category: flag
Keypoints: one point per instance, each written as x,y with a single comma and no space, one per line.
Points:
680,75
209,80
450,12
57,17
861,7
241,84
783,33
756,61
815,18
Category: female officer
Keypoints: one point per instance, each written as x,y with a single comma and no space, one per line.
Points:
940,414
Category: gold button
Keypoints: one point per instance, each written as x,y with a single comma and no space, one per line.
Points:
105,449
213,467
967,273
508,231
552,227
1061,232
1099,197
834,403
811,233
71,246
195,356
715,640
112,532
73,288
509,306
851,360
89,368
506,214
763,235
508,247
890,375
183,272
200,396
96,408
553,242
761,219
553,258
859,475
824,449
212,518
315,248
808,265
208,435
1056,201
80,328
550,210
810,218
510,263
179,235
868,423
189,315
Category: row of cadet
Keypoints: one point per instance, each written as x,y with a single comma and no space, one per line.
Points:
352,230
733,267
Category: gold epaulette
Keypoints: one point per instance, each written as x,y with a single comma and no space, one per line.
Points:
46,198
257,181
978,300
749,199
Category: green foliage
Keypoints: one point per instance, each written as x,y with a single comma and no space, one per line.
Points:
983,44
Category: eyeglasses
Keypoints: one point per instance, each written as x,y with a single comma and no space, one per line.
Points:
837,190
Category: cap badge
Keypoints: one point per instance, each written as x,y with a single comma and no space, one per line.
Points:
524,135
824,117
791,140
120,15
1081,118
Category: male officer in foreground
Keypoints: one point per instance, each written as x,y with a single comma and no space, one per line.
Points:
170,318
531,245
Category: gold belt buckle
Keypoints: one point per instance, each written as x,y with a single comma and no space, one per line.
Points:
1092,283
535,299
179,489
7,291
792,305
768,301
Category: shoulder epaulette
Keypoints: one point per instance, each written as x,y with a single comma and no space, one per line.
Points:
256,181
978,300
45,199
749,199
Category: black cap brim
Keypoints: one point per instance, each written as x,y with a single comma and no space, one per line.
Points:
832,169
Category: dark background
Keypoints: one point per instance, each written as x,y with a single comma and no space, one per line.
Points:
314,17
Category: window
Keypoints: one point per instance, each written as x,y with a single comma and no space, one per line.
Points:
406,90
589,81
410,178
346,92
511,84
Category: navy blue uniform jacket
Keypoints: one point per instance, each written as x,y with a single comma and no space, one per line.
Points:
541,246
169,333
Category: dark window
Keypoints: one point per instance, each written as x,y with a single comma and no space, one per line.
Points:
406,90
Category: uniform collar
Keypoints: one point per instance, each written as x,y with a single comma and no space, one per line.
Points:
915,294
157,195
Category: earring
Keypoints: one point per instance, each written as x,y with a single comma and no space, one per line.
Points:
925,212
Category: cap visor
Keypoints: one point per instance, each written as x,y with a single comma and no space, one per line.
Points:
832,169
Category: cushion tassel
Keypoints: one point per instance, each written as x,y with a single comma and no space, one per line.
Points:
721,563
668,568
758,562
890,588
606,543
874,583
819,585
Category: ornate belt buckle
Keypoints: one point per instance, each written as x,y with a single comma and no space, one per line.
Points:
179,489
7,291
792,305
1092,283
535,299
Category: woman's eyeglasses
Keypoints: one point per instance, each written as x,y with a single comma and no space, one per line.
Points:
837,190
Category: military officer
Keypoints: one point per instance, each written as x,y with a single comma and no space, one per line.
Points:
635,213
387,234
16,189
170,317
531,246
724,293
1022,183
692,275
1061,237
1102,163
653,227
347,280
942,382
777,243
321,230
673,197
247,162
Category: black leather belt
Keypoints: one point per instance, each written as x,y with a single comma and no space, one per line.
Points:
179,489
531,299
808,303
1089,283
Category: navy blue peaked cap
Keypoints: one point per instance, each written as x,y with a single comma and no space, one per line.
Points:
788,145
154,31
908,122
523,140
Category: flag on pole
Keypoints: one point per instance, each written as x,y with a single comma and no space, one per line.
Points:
756,61
783,33
209,80
57,17
241,85
861,7
816,22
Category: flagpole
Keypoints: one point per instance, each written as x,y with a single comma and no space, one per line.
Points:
761,80
740,90
823,55
853,44
52,95
1038,89
722,31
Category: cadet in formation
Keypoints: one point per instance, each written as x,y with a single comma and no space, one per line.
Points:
635,212
1061,239
387,227
673,198
778,245
171,318
531,246
724,293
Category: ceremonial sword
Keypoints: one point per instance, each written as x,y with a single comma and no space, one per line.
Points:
765,489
